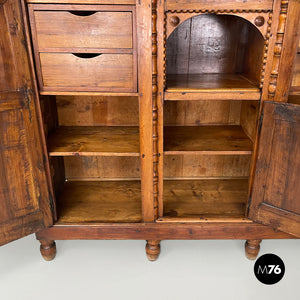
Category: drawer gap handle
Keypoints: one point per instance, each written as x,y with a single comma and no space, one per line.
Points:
86,55
82,13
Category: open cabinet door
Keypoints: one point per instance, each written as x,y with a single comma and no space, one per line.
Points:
24,194
275,197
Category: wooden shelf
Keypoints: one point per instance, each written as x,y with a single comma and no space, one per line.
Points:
223,140
100,202
212,198
94,141
210,87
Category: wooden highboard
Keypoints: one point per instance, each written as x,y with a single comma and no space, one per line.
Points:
149,120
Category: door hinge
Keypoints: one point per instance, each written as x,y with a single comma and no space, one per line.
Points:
51,203
260,122
26,95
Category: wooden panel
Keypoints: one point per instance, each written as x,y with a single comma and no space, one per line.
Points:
65,29
203,166
254,51
107,72
249,117
296,75
204,82
276,181
218,4
86,140
18,193
145,65
11,101
206,139
24,194
193,113
164,231
58,174
97,111
49,113
12,51
102,168
205,198
96,201
220,95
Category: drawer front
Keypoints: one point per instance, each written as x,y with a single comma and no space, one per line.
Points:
218,4
105,72
83,29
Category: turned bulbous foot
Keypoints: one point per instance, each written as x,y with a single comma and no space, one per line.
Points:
48,249
252,248
152,249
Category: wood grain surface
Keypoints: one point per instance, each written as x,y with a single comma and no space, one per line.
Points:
205,198
96,201
211,139
92,140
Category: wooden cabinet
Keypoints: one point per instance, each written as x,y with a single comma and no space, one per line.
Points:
149,120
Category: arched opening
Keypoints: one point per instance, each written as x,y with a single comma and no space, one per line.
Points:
210,48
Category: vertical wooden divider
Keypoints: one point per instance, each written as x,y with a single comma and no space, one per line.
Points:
144,34
161,54
155,108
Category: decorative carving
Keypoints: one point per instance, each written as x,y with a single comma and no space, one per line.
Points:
154,108
256,17
259,21
278,49
211,11
152,249
165,51
252,248
174,21
48,249
266,48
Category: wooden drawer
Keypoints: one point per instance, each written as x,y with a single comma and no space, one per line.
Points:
83,72
218,4
69,27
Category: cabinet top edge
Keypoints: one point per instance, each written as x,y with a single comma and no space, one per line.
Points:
113,2
219,4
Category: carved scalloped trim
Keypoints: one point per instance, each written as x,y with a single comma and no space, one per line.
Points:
266,48
218,11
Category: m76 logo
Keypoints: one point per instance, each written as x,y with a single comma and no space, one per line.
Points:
269,269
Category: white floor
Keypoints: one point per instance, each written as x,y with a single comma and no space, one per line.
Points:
119,270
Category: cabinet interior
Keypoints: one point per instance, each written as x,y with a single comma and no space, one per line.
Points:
208,149
211,51
93,146
208,144
295,85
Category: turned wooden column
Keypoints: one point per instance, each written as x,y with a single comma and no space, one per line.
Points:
252,248
48,249
152,249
